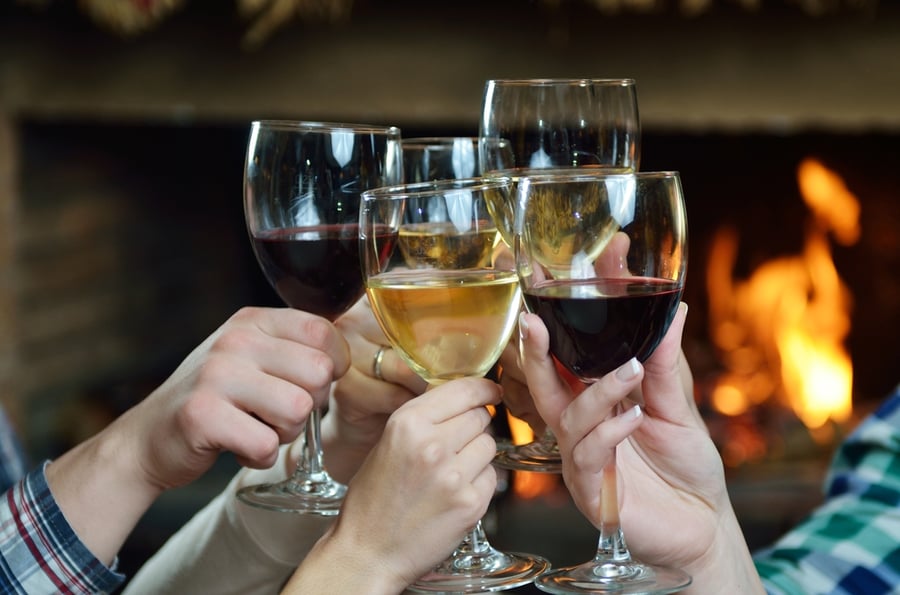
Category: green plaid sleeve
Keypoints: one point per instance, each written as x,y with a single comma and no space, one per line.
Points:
850,544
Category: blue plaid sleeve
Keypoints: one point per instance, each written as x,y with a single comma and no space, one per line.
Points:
39,551
850,544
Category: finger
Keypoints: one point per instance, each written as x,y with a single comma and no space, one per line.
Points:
475,456
551,394
519,403
664,384
253,443
599,401
281,404
395,370
448,400
380,397
613,262
306,329
603,438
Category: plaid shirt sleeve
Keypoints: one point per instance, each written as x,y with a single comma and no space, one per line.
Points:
39,551
850,544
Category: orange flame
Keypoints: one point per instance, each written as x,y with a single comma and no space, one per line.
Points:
781,331
528,485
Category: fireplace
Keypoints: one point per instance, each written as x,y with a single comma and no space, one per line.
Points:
120,175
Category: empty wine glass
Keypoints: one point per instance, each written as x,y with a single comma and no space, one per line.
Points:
448,305
602,259
529,124
302,186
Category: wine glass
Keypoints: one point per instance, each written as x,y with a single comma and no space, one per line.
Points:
602,260
448,305
431,158
302,186
529,124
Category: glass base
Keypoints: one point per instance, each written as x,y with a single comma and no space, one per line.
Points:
627,577
482,573
302,497
539,456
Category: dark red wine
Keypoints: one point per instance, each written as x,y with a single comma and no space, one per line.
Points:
315,269
596,325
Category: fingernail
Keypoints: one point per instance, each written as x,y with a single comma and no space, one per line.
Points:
635,412
523,327
685,307
628,370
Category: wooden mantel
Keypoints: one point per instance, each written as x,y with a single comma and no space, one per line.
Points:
424,64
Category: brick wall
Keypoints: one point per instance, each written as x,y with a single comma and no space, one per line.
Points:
129,248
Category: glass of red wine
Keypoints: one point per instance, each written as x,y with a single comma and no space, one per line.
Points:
602,260
553,123
302,188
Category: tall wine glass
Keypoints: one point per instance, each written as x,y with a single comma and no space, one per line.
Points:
602,260
529,124
302,186
430,158
448,308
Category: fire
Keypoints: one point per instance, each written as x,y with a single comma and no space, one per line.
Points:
781,331
528,485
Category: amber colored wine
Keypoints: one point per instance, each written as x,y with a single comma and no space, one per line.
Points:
596,325
441,245
555,208
446,324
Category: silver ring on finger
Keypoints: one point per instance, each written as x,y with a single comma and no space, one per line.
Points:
377,361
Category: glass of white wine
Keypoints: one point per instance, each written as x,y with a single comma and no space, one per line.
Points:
553,124
448,302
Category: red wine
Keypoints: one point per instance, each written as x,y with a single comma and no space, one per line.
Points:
315,269
596,325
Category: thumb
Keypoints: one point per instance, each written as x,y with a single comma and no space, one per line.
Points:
549,390
663,386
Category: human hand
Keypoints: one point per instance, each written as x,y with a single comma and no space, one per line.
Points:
361,402
426,483
516,395
246,389
672,492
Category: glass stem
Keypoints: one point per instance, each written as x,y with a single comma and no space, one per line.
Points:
475,542
611,547
548,440
311,466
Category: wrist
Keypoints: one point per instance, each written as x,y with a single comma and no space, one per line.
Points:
727,566
101,490
361,571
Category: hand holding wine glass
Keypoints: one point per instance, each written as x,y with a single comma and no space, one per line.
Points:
427,480
602,259
675,503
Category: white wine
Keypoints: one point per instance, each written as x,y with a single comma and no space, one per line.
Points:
446,324
441,245
501,202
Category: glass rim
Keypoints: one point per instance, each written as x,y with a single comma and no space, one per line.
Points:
436,141
547,82
582,174
419,189
316,126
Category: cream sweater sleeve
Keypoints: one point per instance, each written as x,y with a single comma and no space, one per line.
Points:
229,547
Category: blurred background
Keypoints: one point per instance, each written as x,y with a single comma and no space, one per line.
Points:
122,242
